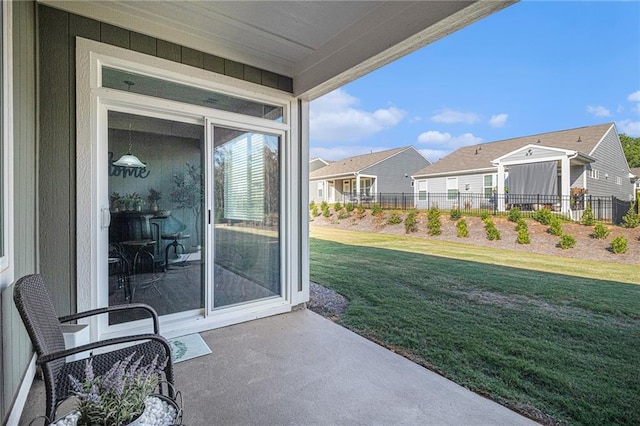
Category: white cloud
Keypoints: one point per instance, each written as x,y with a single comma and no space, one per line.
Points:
434,137
335,117
452,116
598,111
630,128
441,144
634,97
498,120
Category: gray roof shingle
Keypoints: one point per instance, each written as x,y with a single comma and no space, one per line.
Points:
478,157
355,164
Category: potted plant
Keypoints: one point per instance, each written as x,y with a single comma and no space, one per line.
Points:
115,200
124,395
137,201
153,198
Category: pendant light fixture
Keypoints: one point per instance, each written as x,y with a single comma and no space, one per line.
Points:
129,160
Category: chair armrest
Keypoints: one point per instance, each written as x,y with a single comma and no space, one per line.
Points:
115,308
103,343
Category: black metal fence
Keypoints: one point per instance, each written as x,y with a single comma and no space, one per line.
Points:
605,209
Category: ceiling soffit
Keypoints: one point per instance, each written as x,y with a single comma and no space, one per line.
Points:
322,45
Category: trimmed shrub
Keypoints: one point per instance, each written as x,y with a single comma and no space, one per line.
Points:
632,218
566,241
410,222
484,215
394,218
314,211
522,224
600,232
492,231
312,204
337,206
455,214
619,245
587,216
543,216
349,207
461,229
324,205
523,236
514,214
343,214
555,227
376,209
434,224
325,211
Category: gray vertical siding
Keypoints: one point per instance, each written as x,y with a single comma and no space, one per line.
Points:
394,173
17,347
610,160
58,30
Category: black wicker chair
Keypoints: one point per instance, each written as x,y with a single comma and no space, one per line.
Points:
34,305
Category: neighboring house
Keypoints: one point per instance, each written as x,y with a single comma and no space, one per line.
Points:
316,187
364,177
213,97
635,171
587,160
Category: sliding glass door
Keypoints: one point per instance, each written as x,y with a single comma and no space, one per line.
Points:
156,207
246,216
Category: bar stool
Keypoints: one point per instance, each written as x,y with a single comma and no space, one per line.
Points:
176,236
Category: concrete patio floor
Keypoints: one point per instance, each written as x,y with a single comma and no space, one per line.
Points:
300,368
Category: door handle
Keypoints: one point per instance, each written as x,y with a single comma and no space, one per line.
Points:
105,218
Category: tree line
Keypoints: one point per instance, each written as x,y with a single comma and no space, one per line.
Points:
631,147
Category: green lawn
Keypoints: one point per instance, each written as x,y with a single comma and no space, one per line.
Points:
562,348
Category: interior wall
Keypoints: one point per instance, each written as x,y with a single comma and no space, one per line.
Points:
16,347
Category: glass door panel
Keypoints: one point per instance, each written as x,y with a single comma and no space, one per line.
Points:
246,234
155,234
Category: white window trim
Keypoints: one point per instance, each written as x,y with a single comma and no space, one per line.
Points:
93,102
419,190
453,186
494,181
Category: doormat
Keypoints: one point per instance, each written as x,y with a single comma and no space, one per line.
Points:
188,347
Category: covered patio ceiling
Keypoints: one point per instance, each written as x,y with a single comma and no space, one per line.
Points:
322,45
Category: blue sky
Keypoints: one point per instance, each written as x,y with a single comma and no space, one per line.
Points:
534,67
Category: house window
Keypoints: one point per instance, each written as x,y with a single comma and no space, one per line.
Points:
452,188
320,189
488,186
618,180
422,190
365,187
165,89
594,174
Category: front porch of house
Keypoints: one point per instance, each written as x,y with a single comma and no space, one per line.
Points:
535,170
299,368
350,189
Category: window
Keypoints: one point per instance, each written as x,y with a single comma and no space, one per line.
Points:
452,188
320,189
165,89
594,174
618,180
488,186
422,190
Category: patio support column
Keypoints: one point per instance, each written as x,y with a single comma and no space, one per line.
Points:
565,183
500,194
358,187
